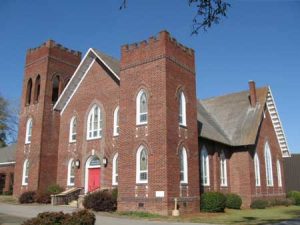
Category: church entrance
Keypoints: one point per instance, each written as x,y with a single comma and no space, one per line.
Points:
92,174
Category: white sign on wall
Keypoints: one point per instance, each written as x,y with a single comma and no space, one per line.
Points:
159,194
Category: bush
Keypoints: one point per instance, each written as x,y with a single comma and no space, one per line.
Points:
82,217
43,198
27,197
279,202
54,189
213,202
233,201
114,194
100,201
295,196
259,204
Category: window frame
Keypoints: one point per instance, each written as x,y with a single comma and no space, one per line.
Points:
28,133
269,166
184,170
257,170
69,183
115,174
204,152
279,174
182,109
116,126
91,124
138,108
71,132
25,173
138,166
223,170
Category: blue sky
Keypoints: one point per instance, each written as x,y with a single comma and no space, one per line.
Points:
260,40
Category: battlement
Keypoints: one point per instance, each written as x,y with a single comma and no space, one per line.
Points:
53,44
162,36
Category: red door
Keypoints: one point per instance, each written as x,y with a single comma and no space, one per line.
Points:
94,179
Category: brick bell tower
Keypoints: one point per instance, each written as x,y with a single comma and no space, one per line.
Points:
48,69
162,68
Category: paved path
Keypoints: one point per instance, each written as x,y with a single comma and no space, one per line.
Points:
29,211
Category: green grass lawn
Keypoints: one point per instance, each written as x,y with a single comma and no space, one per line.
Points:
8,199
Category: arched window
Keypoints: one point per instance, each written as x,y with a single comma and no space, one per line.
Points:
183,166
73,129
279,174
268,165
223,169
55,89
28,131
142,165
71,172
204,167
95,122
116,121
182,109
257,170
141,108
25,172
115,170
37,88
28,92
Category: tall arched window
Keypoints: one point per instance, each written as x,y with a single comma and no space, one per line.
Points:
223,169
73,129
279,174
141,108
25,172
268,165
95,122
257,170
37,88
55,88
183,166
182,109
115,170
28,92
142,165
28,131
116,121
71,172
204,167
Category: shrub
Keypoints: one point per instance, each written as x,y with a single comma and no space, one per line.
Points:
114,194
100,201
43,198
295,196
82,217
27,197
213,202
279,202
233,201
54,189
259,204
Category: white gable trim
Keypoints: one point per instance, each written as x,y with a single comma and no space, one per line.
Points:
277,125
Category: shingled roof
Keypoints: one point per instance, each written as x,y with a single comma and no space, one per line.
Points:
8,154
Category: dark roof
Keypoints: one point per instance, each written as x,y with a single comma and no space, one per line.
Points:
110,61
8,154
230,119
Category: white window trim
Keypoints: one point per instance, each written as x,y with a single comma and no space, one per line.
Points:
138,163
28,131
71,140
138,113
183,109
69,173
185,166
99,131
24,183
116,123
257,170
268,161
204,150
223,170
114,170
279,175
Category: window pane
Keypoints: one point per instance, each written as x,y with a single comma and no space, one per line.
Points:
143,160
143,103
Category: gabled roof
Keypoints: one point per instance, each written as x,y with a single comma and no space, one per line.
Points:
86,63
8,155
231,120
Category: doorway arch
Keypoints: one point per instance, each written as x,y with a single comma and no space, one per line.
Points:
92,174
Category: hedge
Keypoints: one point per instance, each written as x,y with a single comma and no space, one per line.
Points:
212,202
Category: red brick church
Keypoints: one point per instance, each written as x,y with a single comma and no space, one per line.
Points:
136,124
